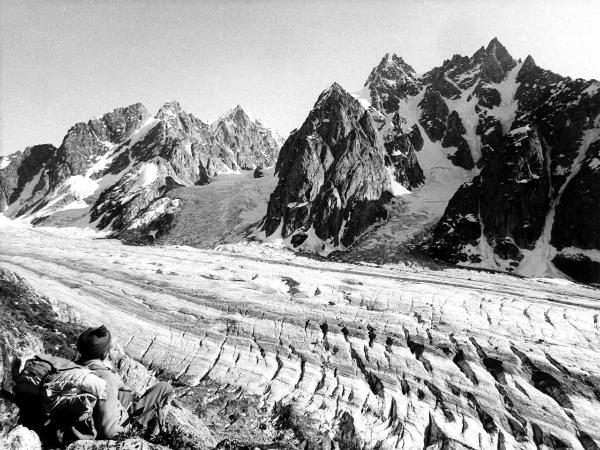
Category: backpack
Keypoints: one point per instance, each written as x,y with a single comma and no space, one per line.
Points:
68,392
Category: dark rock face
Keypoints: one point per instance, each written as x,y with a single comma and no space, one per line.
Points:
541,178
434,114
437,81
453,137
488,97
514,190
401,150
459,226
577,219
535,84
23,168
333,177
258,172
579,267
489,130
509,201
392,80
497,62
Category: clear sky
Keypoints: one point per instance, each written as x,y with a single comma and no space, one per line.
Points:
64,61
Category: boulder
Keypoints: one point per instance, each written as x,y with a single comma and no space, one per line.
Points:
258,172
20,438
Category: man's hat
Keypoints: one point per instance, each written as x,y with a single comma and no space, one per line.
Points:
94,342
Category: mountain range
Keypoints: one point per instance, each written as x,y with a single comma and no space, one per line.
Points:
527,141
114,171
503,155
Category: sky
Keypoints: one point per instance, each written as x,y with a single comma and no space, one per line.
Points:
66,61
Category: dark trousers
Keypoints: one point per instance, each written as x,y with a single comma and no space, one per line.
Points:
145,412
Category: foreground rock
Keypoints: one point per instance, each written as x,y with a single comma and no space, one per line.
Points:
35,325
276,351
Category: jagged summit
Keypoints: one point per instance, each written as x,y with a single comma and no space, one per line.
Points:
392,79
497,62
479,54
529,61
172,105
169,112
332,93
391,68
236,114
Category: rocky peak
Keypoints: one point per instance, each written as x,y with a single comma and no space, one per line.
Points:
85,142
392,80
169,112
239,115
236,116
334,94
392,68
528,64
497,62
479,55
116,126
336,174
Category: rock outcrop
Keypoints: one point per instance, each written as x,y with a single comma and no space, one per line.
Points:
25,169
337,172
34,324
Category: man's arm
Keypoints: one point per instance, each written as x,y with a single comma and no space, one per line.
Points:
109,413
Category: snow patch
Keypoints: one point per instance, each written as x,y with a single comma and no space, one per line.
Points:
507,89
80,186
592,89
521,130
159,208
594,163
397,189
5,161
146,176
363,96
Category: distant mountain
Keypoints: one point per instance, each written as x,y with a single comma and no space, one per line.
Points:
527,139
115,169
